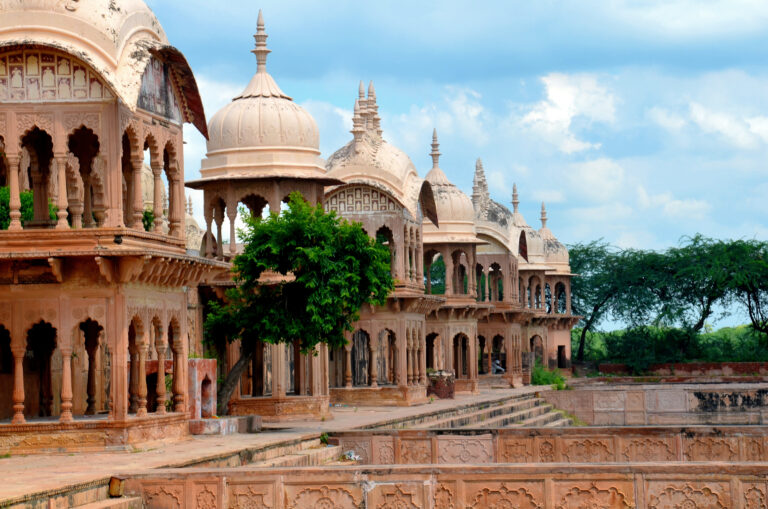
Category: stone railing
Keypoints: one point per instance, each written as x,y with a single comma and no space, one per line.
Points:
644,486
558,445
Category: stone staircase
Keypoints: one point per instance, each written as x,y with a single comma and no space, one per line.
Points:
515,411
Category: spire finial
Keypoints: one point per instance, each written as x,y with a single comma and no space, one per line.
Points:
435,150
261,50
358,122
543,215
371,91
515,200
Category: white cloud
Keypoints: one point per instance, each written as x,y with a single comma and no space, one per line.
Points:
671,207
548,195
728,126
497,181
599,179
568,97
666,119
759,126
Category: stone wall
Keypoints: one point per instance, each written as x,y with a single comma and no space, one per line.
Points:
460,486
694,369
558,445
674,404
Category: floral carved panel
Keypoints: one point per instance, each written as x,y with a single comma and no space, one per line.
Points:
398,496
688,495
465,449
595,496
445,496
251,496
325,497
515,450
206,496
383,450
361,447
648,449
164,496
415,451
588,450
754,496
505,496
711,449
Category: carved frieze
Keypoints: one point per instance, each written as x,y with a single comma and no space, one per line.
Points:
74,121
360,199
691,495
415,451
327,497
595,497
648,449
711,449
164,495
754,496
465,450
398,496
513,450
251,496
587,451
504,496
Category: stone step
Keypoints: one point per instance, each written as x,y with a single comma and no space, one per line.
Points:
481,415
423,420
516,417
307,458
561,422
539,420
115,503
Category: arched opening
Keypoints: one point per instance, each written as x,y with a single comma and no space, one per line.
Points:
360,358
384,237
561,306
495,283
6,374
481,283
38,371
522,247
460,350
36,174
206,398
537,347
433,362
460,279
499,355
484,356
436,273
547,298
85,191
384,358
135,377
87,369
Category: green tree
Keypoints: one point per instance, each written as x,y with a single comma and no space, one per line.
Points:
594,287
749,281
437,276
27,207
329,268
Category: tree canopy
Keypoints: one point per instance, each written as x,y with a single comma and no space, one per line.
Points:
682,286
326,268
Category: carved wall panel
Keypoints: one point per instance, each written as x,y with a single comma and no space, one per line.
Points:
35,75
330,496
465,449
515,450
360,199
415,451
251,495
445,496
503,495
164,496
711,449
361,447
383,450
754,495
205,496
663,495
397,496
588,450
644,449
595,495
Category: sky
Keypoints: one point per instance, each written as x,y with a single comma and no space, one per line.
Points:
637,122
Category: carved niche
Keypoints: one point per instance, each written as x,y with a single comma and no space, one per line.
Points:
34,75
360,199
754,497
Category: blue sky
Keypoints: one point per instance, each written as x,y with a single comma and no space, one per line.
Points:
638,122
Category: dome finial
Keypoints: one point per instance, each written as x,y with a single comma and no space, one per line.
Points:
374,120
543,216
361,90
435,150
358,122
515,200
261,50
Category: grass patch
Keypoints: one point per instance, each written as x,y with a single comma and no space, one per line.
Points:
543,376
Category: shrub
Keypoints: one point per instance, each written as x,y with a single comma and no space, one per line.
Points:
543,376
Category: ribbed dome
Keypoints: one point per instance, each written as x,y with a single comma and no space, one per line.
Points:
454,208
262,133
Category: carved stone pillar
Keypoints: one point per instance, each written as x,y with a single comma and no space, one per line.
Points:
218,216
175,204
18,387
137,198
141,410
208,213
157,202
87,211
374,363
61,202
133,389
348,367
66,380
15,201
423,359
179,401
448,273
409,359
232,215
161,344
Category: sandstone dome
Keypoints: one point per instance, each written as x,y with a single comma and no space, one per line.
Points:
369,159
262,133
454,208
